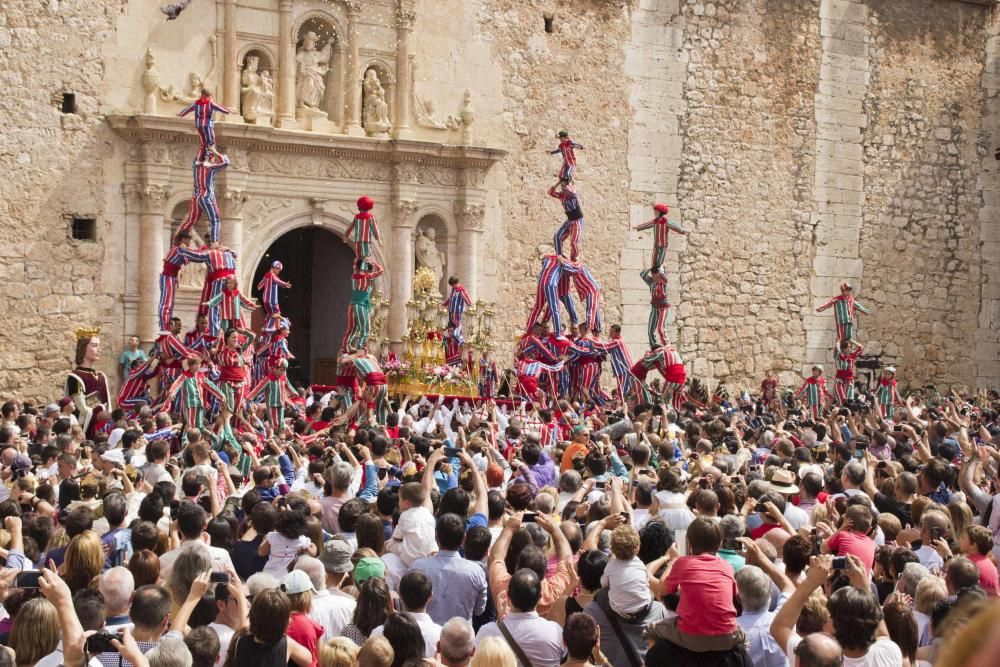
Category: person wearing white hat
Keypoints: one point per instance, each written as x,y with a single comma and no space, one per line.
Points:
886,394
303,629
783,482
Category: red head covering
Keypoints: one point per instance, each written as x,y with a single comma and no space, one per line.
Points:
661,208
845,286
365,203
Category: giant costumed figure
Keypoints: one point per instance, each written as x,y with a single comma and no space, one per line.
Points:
86,386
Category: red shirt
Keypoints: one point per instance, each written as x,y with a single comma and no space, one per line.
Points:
708,589
987,573
762,530
862,546
307,632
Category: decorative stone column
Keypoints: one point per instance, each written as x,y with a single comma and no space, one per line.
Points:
336,100
471,223
286,66
352,124
404,74
150,200
232,219
401,276
231,72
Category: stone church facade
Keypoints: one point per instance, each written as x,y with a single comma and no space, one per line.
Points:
801,142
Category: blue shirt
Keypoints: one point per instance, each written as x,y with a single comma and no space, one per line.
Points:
459,586
763,650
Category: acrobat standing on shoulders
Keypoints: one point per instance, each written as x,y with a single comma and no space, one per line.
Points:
363,229
268,287
172,265
845,358
659,305
572,228
567,147
204,108
845,308
359,310
229,303
457,301
661,227
203,195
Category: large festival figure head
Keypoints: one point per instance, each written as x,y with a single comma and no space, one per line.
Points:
88,347
365,203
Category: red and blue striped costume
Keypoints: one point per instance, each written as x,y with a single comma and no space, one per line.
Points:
659,306
844,362
488,376
135,389
560,380
528,371
661,236
588,290
362,231
268,287
359,310
269,353
572,228
221,264
203,198
193,389
229,305
887,397
567,147
376,389
172,265
199,340
668,362
845,309
233,375
586,356
814,389
564,297
276,393
621,364
547,293
453,347
203,109
456,302
530,346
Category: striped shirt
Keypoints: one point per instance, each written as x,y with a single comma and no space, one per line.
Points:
275,390
135,385
194,387
657,283
231,304
844,307
886,393
845,362
269,285
568,149
203,109
364,228
204,176
570,201
814,389
661,230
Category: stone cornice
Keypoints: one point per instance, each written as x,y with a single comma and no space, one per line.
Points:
143,128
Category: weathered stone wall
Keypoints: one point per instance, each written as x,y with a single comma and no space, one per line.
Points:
51,165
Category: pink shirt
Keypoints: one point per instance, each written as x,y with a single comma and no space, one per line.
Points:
307,632
857,544
987,573
708,589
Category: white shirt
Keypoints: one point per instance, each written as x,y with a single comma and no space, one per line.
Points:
395,568
883,653
428,628
539,638
930,558
628,585
796,516
225,636
640,517
414,535
55,659
332,610
283,552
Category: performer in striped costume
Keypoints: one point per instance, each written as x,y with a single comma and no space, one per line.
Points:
272,351
547,293
557,345
229,304
452,341
456,302
814,389
203,196
221,264
845,358
533,345
230,358
135,389
347,381
199,339
661,233
376,390
886,394
567,147
527,377
845,309
564,297
172,265
668,362
621,362
656,279
769,388
588,358
359,310
488,376
268,287
363,229
193,387
572,228
276,391
588,290
204,108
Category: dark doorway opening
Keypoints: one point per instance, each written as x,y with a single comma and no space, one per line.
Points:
318,264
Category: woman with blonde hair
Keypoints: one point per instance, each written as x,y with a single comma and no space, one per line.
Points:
493,652
339,652
36,631
84,560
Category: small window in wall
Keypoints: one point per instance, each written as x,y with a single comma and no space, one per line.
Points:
82,228
548,22
68,103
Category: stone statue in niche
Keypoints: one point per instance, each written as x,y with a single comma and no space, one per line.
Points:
251,90
376,109
193,275
311,67
428,255
267,97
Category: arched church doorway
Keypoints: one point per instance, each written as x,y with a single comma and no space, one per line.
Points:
318,265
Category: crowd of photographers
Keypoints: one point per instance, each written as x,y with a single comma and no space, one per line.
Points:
455,534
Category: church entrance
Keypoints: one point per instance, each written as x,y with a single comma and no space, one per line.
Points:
318,265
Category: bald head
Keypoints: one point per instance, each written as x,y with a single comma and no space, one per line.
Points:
819,650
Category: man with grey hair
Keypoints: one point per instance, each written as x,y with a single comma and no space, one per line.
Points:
754,586
732,529
331,612
569,483
818,649
117,586
910,578
170,653
457,643
345,480
853,478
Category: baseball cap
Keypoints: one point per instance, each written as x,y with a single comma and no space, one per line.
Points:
367,568
51,409
336,556
297,581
